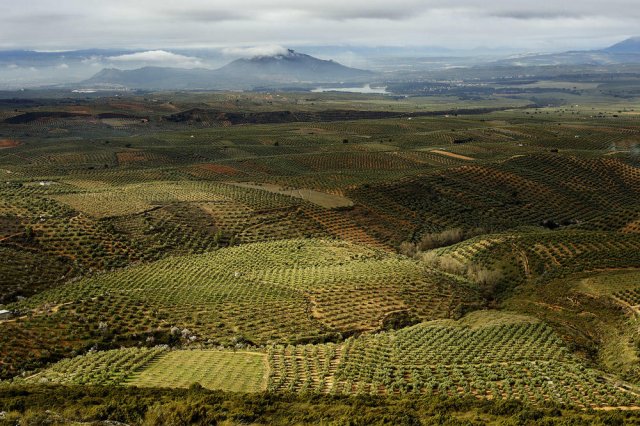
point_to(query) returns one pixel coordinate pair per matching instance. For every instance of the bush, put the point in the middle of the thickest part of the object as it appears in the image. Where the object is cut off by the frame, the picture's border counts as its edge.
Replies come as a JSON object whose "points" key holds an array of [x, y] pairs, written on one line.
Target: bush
{"points": [[435, 240], [441, 239]]}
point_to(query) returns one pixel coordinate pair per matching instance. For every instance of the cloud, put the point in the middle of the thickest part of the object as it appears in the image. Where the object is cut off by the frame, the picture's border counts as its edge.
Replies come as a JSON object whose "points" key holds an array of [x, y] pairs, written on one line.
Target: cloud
{"points": [[341, 10], [158, 57], [91, 59], [283, 10], [252, 52], [536, 15], [44, 17], [149, 24], [209, 15]]}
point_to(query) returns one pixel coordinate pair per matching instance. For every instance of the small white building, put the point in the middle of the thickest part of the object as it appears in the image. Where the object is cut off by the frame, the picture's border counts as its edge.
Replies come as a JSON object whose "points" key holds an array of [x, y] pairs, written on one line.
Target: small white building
{"points": [[4, 314]]}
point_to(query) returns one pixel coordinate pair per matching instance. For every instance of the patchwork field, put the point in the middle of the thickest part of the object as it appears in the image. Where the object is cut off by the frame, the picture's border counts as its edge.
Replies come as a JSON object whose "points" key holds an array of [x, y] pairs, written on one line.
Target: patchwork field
{"points": [[190, 242]]}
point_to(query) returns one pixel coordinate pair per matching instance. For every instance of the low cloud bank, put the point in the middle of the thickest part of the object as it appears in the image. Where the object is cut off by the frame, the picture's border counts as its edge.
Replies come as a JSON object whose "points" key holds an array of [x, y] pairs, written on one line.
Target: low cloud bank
{"points": [[159, 58], [252, 52]]}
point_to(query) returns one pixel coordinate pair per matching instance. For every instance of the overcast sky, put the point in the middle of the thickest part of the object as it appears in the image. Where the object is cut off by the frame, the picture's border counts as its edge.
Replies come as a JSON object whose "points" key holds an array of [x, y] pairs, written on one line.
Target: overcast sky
{"points": [[540, 25]]}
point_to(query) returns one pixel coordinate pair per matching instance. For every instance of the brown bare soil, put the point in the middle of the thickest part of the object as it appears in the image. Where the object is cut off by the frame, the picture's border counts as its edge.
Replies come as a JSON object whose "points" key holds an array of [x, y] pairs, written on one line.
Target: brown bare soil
{"points": [[130, 156], [452, 155], [8, 143], [220, 169]]}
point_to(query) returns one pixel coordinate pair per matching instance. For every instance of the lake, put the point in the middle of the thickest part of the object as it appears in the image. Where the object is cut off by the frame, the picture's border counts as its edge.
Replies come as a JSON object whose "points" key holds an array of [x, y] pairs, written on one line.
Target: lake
{"points": [[363, 89]]}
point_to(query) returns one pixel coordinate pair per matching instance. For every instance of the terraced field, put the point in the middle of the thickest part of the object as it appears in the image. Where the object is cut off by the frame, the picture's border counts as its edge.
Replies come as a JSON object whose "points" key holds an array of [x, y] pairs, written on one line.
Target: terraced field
{"points": [[534, 254]]}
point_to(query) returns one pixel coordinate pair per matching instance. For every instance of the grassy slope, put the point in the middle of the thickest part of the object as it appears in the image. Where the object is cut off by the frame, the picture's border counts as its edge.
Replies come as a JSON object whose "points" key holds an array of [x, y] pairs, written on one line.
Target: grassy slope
{"points": [[228, 371], [600, 327]]}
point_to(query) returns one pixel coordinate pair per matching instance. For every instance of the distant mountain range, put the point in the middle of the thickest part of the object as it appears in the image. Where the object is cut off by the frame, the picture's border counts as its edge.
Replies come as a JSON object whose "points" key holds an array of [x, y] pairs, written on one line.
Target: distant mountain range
{"points": [[204, 69], [289, 67], [625, 52]]}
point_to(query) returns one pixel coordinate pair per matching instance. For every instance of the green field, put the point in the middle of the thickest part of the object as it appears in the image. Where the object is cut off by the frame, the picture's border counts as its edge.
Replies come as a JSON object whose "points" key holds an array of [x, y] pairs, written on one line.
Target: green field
{"points": [[228, 371]]}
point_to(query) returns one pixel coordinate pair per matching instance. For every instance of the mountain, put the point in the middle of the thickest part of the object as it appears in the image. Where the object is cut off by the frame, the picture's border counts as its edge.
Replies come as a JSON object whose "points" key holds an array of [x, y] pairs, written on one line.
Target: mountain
{"points": [[625, 52], [630, 45], [289, 67]]}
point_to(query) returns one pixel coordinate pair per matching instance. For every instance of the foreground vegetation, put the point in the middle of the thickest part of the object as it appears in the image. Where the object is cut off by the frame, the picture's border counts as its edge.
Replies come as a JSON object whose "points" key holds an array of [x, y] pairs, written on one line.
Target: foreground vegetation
{"points": [[59, 405]]}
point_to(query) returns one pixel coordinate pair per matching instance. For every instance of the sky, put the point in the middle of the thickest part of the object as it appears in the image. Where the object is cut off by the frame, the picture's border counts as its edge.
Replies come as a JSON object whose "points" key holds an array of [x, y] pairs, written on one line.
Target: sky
{"points": [[536, 26]]}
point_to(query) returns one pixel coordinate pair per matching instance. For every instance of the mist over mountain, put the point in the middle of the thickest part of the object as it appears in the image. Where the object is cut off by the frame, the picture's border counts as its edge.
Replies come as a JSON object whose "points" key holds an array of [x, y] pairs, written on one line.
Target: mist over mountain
{"points": [[287, 67], [154, 78], [273, 66]]}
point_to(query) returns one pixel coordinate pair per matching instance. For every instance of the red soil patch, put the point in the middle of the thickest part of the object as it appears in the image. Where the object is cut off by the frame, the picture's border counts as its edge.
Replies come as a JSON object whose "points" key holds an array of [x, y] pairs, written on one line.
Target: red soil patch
{"points": [[452, 155], [8, 143], [134, 107], [254, 167], [79, 110], [131, 156], [632, 227], [220, 169]]}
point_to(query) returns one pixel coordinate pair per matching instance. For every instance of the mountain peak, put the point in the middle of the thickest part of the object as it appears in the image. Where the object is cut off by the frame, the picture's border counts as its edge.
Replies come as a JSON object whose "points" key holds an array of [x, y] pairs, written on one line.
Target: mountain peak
{"points": [[286, 54], [271, 54], [289, 52]]}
